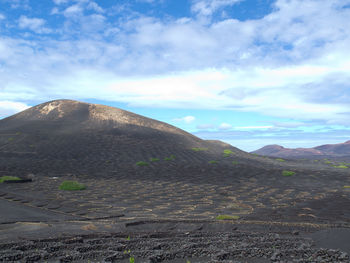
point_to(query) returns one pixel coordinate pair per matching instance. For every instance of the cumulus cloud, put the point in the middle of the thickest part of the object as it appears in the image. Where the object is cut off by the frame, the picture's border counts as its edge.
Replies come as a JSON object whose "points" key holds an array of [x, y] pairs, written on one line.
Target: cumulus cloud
{"points": [[292, 63], [73, 10], [186, 119], [34, 24], [59, 2], [11, 107], [208, 7], [94, 6], [225, 126], [18, 4]]}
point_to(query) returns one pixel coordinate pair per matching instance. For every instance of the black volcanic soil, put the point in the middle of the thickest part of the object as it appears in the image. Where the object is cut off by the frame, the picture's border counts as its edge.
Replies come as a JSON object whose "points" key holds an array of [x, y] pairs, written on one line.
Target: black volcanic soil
{"points": [[169, 207]]}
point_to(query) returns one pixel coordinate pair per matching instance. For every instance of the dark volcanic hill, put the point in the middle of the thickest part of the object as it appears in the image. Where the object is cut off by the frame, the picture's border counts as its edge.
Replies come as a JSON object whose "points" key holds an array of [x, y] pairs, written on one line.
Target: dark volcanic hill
{"points": [[69, 136], [327, 150]]}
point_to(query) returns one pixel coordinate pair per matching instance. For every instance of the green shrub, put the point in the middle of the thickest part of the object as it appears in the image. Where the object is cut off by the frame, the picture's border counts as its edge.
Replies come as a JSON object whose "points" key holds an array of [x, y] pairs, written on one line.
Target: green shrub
{"points": [[72, 186], [199, 149], [228, 153], [227, 217], [213, 162], [154, 159], [235, 162], [171, 158], [340, 166], [8, 178], [131, 260], [280, 160], [327, 162], [288, 173], [142, 163], [347, 186]]}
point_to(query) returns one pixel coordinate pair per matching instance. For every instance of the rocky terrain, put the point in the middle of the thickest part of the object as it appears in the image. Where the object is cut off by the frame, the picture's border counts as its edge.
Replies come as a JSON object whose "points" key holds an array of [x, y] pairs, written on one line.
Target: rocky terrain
{"points": [[154, 193]]}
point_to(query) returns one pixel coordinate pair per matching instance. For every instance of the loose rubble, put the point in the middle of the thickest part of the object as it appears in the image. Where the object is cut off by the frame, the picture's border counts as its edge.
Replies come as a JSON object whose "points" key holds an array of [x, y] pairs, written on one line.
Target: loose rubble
{"points": [[238, 246]]}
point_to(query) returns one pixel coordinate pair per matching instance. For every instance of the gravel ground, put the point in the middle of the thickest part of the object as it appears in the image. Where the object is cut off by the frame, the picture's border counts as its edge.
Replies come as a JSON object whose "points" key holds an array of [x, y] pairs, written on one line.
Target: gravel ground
{"points": [[195, 246]]}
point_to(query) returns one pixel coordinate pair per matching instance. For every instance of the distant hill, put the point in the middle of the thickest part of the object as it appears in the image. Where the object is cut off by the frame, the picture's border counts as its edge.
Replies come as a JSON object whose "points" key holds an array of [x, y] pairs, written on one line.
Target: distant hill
{"points": [[327, 150], [69, 136]]}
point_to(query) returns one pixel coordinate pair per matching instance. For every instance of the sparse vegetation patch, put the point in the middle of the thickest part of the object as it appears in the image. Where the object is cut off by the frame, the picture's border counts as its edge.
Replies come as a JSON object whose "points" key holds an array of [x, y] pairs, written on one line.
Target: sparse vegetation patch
{"points": [[142, 163], [340, 166], [171, 158], [280, 160], [8, 178], [227, 217], [288, 173], [213, 162], [72, 186], [347, 186], [235, 162], [154, 159], [228, 153]]}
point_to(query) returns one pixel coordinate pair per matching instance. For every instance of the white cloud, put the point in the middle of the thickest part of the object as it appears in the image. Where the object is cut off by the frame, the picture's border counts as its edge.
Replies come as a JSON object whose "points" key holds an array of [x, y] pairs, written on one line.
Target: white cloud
{"points": [[34, 24], [186, 119], [2, 17], [208, 7], [253, 127], [225, 126], [73, 10], [95, 7], [267, 65], [11, 107], [59, 2]]}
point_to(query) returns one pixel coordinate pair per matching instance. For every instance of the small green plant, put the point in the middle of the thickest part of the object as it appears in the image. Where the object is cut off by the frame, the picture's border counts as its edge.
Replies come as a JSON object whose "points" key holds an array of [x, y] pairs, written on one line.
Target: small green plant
{"points": [[142, 163], [227, 217], [171, 158], [154, 159], [213, 162], [71, 186], [288, 173], [199, 149], [327, 162], [228, 153], [187, 261], [128, 238], [280, 160], [347, 186], [340, 166], [235, 162], [10, 139], [131, 260], [8, 178]]}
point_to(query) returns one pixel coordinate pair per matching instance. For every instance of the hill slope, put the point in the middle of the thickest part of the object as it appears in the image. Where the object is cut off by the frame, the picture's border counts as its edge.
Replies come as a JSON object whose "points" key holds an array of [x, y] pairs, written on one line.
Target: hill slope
{"points": [[327, 150], [70, 136]]}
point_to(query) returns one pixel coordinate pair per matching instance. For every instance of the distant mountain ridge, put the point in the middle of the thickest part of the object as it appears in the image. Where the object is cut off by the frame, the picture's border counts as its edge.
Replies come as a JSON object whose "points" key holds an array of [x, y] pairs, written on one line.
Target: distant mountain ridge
{"points": [[327, 150]]}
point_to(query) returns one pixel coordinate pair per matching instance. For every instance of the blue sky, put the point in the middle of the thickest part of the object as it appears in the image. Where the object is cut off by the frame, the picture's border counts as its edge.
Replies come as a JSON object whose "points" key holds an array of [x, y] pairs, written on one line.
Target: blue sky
{"points": [[248, 72]]}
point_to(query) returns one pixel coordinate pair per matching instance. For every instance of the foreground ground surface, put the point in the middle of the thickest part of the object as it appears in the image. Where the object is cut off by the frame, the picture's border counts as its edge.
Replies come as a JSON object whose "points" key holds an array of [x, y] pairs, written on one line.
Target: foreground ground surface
{"points": [[167, 212]]}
